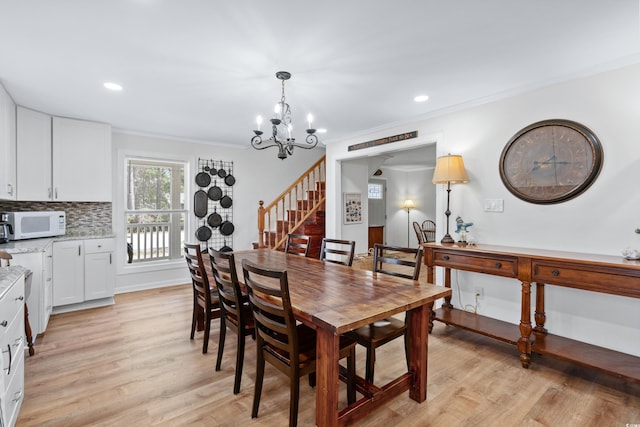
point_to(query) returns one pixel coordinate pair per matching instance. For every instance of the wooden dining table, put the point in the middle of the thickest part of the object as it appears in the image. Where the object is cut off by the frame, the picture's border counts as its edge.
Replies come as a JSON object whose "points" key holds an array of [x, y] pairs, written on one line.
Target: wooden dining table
{"points": [[334, 299]]}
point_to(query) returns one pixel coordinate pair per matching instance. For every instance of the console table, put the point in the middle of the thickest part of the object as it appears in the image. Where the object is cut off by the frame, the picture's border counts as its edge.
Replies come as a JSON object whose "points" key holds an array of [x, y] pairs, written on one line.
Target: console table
{"points": [[596, 273]]}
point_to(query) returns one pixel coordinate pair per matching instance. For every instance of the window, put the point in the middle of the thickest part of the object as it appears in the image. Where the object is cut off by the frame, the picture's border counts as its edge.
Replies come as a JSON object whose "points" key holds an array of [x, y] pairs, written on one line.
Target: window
{"points": [[375, 191], [155, 213]]}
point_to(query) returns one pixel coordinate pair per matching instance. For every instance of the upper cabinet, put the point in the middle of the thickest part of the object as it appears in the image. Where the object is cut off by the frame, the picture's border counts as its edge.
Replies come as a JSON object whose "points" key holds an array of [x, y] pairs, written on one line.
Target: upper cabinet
{"points": [[62, 160], [34, 155], [81, 160], [7, 146]]}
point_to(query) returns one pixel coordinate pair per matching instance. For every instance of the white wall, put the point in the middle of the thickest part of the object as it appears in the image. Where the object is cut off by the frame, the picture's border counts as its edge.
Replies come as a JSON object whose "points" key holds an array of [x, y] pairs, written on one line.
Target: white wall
{"points": [[260, 175], [354, 180], [601, 220], [414, 185]]}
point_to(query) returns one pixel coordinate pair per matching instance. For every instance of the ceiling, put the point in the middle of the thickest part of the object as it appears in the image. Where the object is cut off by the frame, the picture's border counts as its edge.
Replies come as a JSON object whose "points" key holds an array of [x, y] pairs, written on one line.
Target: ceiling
{"points": [[203, 70]]}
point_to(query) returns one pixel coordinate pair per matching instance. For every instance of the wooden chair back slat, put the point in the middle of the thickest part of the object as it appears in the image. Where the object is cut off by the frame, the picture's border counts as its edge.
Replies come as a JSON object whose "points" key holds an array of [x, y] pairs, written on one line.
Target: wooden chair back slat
{"points": [[383, 255], [298, 244], [338, 251]]}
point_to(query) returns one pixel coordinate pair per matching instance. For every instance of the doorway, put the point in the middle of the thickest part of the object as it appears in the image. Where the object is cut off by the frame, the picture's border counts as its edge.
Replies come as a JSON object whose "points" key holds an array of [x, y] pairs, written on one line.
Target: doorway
{"points": [[404, 174], [377, 205]]}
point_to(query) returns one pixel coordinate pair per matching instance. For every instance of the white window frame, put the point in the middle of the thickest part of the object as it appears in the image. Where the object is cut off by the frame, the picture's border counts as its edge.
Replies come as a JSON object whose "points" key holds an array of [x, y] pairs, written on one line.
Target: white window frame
{"points": [[120, 206]]}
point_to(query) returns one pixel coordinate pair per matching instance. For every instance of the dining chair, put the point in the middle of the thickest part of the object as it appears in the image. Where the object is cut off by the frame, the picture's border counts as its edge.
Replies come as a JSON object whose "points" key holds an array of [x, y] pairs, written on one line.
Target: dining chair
{"points": [[337, 251], [419, 234], [298, 244], [429, 230], [288, 346], [206, 304], [234, 307], [400, 262]]}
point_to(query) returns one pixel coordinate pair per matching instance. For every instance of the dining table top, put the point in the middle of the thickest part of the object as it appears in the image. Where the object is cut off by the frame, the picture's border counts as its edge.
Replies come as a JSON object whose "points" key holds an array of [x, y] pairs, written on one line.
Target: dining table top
{"points": [[341, 298]]}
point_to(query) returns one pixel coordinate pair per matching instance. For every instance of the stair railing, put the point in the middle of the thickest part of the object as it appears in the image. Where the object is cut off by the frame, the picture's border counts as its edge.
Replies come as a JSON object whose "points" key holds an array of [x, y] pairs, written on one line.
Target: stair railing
{"points": [[292, 207]]}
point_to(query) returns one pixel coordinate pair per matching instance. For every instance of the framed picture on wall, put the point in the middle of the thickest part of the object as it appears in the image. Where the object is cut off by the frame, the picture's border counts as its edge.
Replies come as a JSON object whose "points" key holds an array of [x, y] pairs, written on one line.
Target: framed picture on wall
{"points": [[352, 207]]}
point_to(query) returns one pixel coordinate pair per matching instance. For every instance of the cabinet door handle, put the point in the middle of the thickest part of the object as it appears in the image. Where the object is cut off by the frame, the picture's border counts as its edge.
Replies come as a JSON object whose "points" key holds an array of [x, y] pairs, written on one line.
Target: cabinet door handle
{"points": [[56, 193], [18, 395], [49, 189], [10, 189], [20, 298], [555, 272], [498, 265], [446, 257], [10, 358], [4, 323], [109, 258], [79, 250]]}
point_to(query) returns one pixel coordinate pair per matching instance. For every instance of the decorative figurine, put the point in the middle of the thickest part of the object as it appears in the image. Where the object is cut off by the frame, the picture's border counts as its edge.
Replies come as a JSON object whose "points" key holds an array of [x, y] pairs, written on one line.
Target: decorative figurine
{"points": [[461, 229]]}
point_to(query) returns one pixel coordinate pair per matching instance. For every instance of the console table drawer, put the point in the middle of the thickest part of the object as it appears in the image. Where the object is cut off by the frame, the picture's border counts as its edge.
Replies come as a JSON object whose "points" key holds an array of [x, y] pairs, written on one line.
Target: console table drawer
{"points": [[602, 279], [497, 265]]}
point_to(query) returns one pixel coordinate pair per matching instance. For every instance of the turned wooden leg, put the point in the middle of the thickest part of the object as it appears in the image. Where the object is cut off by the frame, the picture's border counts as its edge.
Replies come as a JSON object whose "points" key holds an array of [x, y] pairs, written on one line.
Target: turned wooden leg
{"points": [[447, 284], [524, 343], [27, 330], [540, 315]]}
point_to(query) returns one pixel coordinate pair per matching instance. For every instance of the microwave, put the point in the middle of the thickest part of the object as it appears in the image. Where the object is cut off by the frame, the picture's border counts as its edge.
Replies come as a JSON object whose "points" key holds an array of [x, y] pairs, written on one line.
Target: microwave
{"points": [[35, 224]]}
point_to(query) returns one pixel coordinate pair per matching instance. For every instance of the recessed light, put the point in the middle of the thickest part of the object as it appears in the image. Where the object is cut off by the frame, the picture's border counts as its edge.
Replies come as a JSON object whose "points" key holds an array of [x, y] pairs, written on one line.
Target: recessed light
{"points": [[421, 98], [113, 86], [321, 130]]}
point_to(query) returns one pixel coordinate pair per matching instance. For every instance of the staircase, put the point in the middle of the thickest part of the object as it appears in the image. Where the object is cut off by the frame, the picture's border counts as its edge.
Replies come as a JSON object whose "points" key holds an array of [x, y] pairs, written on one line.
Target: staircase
{"points": [[299, 209]]}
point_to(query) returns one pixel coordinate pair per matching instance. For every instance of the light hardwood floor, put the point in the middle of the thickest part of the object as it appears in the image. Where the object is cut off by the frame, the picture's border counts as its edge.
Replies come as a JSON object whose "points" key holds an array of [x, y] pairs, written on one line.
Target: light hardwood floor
{"points": [[132, 364]]}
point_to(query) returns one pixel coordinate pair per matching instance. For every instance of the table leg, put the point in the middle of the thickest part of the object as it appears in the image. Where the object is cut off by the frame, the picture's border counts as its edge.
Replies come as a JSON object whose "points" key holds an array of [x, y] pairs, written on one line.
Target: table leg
{"points": [[524, 343], [447, 284], [327, 350], [540, 315], [419, 350]]}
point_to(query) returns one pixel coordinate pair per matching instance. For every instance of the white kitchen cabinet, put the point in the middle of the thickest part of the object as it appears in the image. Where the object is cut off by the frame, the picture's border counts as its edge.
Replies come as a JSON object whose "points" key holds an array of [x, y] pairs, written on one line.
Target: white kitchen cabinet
{"points": [[99, 274], [34, 155], [68, 272], [61, 159], [39, 297], [81, 160], [8, 176], [12, 348], [83, 270], [46, 297]]}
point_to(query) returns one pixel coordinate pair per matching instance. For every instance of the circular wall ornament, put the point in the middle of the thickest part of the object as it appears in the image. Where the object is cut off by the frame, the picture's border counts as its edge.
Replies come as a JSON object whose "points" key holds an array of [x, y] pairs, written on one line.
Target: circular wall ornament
{"points": [[551, 161]]}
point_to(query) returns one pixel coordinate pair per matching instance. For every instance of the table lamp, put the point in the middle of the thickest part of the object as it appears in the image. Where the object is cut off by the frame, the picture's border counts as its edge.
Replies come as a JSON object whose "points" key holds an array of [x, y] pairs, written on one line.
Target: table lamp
{"points": [[449, 170], [408, 205]]}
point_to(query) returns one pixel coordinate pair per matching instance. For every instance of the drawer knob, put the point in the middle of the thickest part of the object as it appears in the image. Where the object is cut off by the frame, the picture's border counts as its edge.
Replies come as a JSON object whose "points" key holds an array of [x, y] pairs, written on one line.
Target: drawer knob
{"points": [[20, 298], [555, 272], [4, 323], [446, 257], [498, 265]]}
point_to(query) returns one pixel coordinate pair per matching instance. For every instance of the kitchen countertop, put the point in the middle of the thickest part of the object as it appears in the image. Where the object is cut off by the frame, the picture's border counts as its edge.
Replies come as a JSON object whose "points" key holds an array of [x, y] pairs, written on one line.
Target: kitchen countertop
{"points": [[39, 245], [8, 275]]}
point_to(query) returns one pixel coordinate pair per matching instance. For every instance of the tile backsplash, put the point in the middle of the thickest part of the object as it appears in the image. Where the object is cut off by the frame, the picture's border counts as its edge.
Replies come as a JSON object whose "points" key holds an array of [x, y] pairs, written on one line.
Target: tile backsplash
{"points": [[83, 218]]}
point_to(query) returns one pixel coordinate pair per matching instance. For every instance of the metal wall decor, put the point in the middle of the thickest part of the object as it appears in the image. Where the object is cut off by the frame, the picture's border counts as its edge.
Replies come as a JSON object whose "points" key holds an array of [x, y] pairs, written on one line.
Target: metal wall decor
{"points": [[213, 204], [551, 161], [282, 129]]}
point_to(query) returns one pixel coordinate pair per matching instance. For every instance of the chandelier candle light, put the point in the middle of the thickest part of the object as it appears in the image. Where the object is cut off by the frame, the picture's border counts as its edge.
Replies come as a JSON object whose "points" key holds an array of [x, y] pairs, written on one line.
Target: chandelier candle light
{"points": [[281, 121], [449, 170]]}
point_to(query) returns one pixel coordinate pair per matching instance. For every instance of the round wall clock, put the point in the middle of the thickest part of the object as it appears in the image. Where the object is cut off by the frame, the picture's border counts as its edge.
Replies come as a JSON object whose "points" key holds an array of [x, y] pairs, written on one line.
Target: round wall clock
{"points": [[551, 161]]}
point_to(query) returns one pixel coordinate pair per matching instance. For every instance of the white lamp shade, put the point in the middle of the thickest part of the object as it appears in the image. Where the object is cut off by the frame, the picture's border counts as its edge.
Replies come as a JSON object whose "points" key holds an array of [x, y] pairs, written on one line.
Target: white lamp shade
{"points": [[449, 169], [408, 204]]}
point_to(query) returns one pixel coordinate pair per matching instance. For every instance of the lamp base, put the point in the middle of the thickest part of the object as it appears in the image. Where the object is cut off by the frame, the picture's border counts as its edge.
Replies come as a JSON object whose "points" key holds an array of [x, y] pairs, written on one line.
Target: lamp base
{"points": [[447, 239]]}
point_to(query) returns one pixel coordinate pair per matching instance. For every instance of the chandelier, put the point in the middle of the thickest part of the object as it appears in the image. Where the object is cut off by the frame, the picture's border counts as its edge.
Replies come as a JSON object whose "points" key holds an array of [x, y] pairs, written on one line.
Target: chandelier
{"points": [[281, 126]]}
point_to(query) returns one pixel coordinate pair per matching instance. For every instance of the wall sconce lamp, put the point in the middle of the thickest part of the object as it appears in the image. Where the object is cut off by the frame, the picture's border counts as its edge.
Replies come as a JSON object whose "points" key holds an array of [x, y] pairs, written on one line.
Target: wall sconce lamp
{"points": [[408, 204], [449, 170]]}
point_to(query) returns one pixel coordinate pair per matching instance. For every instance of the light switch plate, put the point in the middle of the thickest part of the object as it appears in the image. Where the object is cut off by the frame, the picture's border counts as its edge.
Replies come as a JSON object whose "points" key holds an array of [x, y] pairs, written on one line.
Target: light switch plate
{"points": [[494, 205]]}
